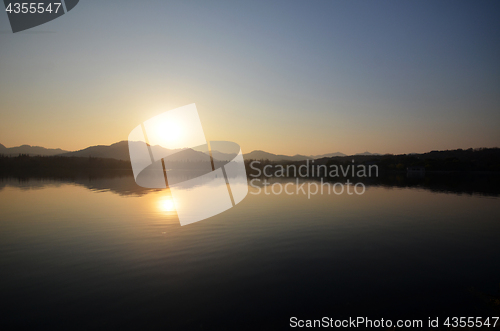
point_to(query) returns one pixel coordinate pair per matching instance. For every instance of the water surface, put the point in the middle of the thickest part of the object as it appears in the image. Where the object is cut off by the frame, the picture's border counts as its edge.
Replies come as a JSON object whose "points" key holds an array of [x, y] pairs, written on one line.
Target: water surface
{"points": [[100, 253]]}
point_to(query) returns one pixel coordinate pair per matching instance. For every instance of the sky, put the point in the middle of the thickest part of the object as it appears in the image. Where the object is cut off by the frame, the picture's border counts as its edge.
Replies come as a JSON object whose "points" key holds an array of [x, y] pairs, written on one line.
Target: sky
{"points": [[287, 77]]}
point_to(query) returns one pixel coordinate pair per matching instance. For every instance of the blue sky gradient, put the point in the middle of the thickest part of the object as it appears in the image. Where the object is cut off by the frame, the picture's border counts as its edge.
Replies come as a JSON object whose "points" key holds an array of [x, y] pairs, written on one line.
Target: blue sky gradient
{"points": [[288, 77]]}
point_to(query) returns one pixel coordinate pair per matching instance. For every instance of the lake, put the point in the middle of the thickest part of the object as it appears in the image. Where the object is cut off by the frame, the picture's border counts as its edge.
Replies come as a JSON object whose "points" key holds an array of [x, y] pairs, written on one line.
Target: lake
{"points": [[100, 253]]}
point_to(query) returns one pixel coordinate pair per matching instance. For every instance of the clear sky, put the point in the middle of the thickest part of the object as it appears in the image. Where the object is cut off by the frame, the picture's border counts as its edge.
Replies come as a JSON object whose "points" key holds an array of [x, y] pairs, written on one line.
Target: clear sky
{"points": [[288, 77]]}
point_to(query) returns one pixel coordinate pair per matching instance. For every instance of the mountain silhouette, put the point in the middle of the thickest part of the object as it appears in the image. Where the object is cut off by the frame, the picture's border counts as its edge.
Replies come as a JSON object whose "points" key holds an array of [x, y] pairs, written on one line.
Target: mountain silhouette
{"points": [[29, 150], [261, 155], [367, 153], [327, 155], [117, 151], [120, 151], [223, 156], [188, 154]]}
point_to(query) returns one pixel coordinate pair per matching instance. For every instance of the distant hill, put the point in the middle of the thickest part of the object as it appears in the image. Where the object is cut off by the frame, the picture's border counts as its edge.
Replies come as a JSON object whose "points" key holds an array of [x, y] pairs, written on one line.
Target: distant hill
{"points": [[367, 153], [187, 154], [222, 156], [261, 155], [327, 155], [117, 151], [120, 151], [30, 150]]}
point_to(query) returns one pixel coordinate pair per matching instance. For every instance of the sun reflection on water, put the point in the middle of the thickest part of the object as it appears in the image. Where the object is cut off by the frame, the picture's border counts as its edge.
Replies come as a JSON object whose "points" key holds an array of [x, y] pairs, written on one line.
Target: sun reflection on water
{"points": [[166, 204]]}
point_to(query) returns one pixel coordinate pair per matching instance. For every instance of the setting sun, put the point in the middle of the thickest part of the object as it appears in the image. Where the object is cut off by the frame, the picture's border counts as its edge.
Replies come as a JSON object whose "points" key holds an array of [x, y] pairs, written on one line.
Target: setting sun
{"points": [[166, 133], [171, 132], [176, 128]]}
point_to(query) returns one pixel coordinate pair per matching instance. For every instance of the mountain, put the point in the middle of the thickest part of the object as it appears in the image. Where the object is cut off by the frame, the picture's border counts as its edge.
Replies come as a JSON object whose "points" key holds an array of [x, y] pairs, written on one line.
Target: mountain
{"points": [[30, 150], [187, 154], [261, 155], [327, 155], [120, 151], [367, 153], [117, 151], [223, 156]]}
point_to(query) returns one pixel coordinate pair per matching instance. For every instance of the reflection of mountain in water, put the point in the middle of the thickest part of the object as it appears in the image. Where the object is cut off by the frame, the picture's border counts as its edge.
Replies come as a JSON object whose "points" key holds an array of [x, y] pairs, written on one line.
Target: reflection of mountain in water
{"points": [[122, 185], [458, 183]]}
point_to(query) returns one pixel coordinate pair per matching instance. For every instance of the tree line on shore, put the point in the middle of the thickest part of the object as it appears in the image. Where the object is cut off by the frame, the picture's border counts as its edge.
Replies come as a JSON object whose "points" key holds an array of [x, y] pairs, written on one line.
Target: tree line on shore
{"points": [[470, 160]]}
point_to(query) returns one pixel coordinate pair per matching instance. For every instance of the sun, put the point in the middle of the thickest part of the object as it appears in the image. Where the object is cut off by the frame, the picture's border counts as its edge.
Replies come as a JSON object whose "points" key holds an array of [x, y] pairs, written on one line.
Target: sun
{"points": [[170, 133], [167, 133], [167, 204]]}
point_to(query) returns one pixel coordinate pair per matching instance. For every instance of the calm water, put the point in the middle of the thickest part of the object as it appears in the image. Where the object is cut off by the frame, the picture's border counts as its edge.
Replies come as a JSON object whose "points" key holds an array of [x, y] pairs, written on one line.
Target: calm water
{"points": [[103, 253]]}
